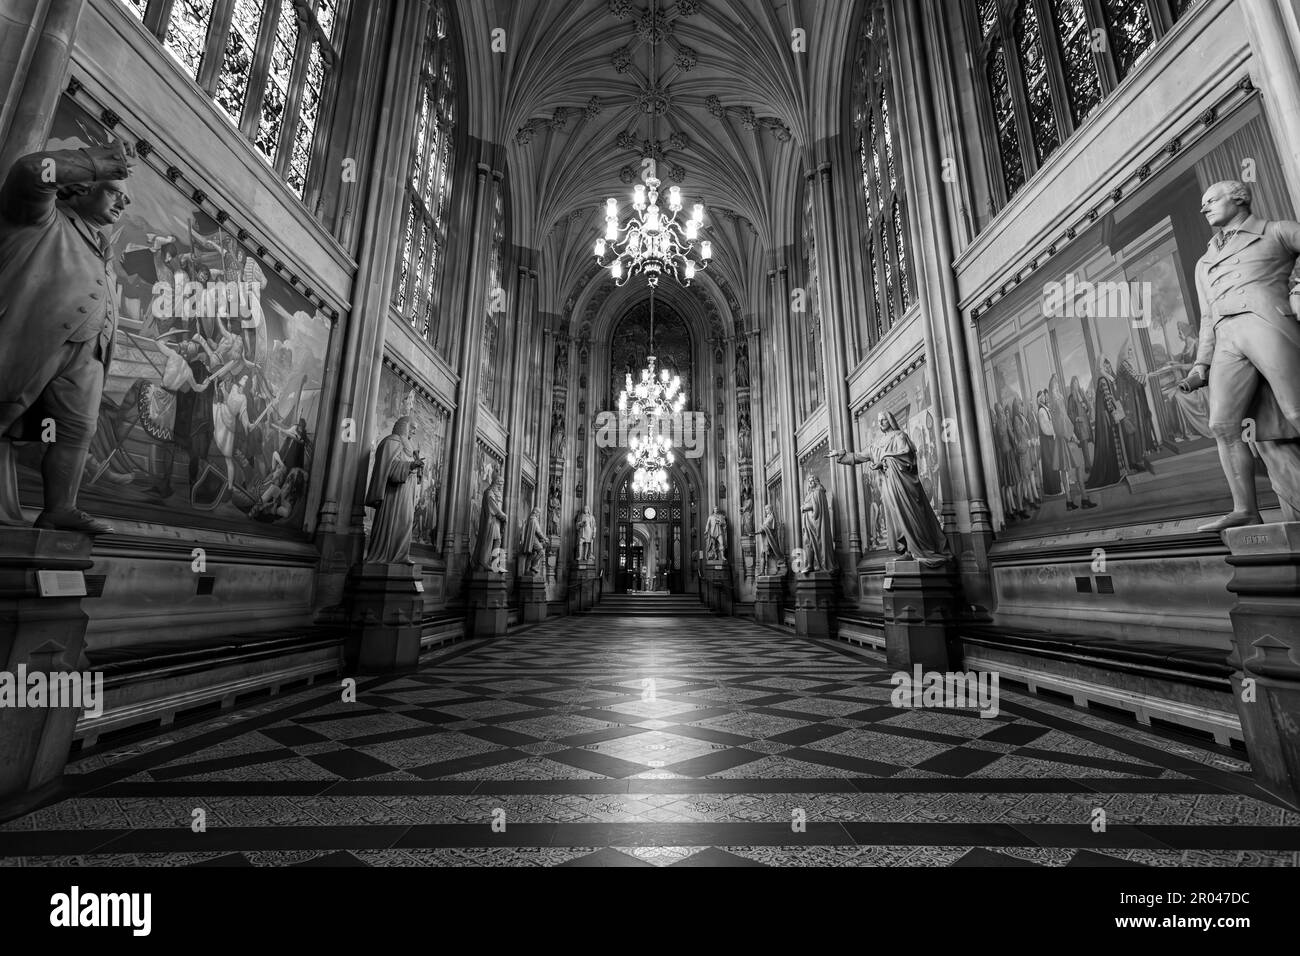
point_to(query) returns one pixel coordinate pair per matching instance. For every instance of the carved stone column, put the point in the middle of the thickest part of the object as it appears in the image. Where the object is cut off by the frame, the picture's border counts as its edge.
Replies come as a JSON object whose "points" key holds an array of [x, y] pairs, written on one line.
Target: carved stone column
{"points": [[36, 38]]}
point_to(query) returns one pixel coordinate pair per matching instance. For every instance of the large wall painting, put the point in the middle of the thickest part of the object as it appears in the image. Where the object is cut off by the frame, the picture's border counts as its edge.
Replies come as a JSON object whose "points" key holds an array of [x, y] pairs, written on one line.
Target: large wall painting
{"points": [[1081, 365], [211, 406]]}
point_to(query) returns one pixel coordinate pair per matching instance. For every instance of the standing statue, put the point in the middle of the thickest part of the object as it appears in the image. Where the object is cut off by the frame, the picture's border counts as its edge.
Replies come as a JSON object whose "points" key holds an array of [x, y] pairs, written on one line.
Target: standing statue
{"points": [[742, 367], [561, 365], [392, 494], [912, 528], [491, 524], [58, 316], [557, 437], [715, 536], [768, 540], [1249, 350], [553, 512], [533, 543], [746, 441], [747, 507], [586, 534], [818, 535]]}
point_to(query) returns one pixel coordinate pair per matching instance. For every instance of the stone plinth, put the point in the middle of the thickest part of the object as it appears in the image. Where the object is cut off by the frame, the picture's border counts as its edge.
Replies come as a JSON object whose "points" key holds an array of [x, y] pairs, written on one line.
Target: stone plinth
{"points": [[815, 604], [717, 579], [920, 606], [1266, 652], [586, 585], [769, 589], [43, 631], [532, 595], [388, 608], [488, 614]]}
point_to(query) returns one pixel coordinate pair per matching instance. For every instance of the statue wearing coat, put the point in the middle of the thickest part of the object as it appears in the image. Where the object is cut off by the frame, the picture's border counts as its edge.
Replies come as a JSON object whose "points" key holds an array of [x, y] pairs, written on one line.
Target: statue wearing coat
{"points": [[491, 524], [391, 493], [818, 534]]}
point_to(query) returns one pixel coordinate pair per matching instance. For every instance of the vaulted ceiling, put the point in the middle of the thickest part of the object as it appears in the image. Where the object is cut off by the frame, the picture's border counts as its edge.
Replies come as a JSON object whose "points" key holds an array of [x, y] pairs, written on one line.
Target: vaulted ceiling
{"points": [[725, 95]]}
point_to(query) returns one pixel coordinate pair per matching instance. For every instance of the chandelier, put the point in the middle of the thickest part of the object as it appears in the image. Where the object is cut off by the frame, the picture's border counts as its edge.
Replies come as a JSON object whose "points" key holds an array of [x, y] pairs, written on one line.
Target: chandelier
{"points": [[653, 242], [650, 458], [654, 396]]}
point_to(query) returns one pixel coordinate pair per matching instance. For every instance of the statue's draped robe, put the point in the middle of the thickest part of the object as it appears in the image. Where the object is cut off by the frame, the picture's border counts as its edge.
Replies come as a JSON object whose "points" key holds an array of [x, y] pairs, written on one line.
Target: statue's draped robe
{"points": [[392, 494], [768, 539], [491, 526], [909, 518], [533, 543], [818, 536]]}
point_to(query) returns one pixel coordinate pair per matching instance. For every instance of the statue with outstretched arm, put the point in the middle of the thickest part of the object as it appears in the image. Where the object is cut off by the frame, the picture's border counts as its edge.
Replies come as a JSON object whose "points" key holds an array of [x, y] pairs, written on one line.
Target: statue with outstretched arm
{"points": [[912, 527]]}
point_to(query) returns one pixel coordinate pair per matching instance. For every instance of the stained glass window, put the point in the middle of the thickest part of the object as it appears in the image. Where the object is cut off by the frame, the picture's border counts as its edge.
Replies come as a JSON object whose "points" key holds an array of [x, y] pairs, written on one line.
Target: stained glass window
{"points": [[1004, 122], [1078, 62], [1131, 35], [884, 203], [266, 63], [187, 33], [416, 293], [1038, 92], [1047, 64]]}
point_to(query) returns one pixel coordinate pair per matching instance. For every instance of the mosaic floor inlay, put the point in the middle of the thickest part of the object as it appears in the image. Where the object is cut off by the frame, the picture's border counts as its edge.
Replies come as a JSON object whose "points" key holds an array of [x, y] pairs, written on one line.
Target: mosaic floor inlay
{"points": [[653, 742]]}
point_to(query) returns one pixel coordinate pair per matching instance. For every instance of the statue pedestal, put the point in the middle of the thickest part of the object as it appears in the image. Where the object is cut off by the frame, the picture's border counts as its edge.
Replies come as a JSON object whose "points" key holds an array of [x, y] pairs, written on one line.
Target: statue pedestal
{"points": [[920, 614], [1266, 651], [532, 595], [769, 589], [717, 582], [488, 615], [388, 609], [814, 604], [585, 581], [43, 635]]}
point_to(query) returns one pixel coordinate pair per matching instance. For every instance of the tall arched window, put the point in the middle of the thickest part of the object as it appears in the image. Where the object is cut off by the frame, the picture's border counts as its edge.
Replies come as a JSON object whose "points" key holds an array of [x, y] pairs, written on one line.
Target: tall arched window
{"points": [[886, 244], [267, 63], [417, 290], [1045, 65]]}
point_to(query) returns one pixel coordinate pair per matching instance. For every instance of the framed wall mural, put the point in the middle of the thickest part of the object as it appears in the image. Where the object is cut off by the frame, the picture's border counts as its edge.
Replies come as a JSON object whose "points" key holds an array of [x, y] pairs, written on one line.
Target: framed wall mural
{"points": [[1081, 364], [398, 399], [212, 402]]}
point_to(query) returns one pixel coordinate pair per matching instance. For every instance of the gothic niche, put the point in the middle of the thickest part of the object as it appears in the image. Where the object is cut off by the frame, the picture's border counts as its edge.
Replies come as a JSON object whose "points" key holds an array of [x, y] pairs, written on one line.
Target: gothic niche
{"points": [[631, 344]]}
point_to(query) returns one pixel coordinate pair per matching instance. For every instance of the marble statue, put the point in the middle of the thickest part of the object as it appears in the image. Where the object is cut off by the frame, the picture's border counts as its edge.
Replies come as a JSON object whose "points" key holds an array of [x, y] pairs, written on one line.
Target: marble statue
{"points": [[742, 367], [1249, 348], [715, 536], [532, 543], [553, 513], [746, 507], [58, 317], [586, 534], [491, 523], [392, 494], [557, 437], [912, 528], [818, 533], [768, 540]]}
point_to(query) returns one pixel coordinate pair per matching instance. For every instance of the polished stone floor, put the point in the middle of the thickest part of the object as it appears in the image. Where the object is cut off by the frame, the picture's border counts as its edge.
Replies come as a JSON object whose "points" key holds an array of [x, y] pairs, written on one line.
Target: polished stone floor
{"points": [[653, 742]]}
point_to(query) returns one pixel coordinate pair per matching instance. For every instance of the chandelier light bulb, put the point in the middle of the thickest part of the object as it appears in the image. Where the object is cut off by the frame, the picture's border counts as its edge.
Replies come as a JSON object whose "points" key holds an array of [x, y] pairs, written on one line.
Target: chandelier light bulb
{"points": [[675, 198], [611, 230], [690, 271], [692, 230], [600, 248], [706, 250], [611, 208], [638, 196], [697, 213], [616, 268]]}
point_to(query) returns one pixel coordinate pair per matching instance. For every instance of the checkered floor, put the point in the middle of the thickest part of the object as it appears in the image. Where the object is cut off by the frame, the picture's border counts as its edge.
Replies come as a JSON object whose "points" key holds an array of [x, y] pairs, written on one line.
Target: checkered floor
{"points": [[653, 742]]}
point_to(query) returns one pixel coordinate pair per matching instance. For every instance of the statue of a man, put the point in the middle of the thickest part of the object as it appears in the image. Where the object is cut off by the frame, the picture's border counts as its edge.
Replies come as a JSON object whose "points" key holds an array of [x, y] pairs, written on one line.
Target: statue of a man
{"points": [[818, 535], [586, 534], [533, 543], [491, 524], [553, 513], [1249, 349], [912, 528], [58, 315], [392, 494], [715, 535], [768, 540]]}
